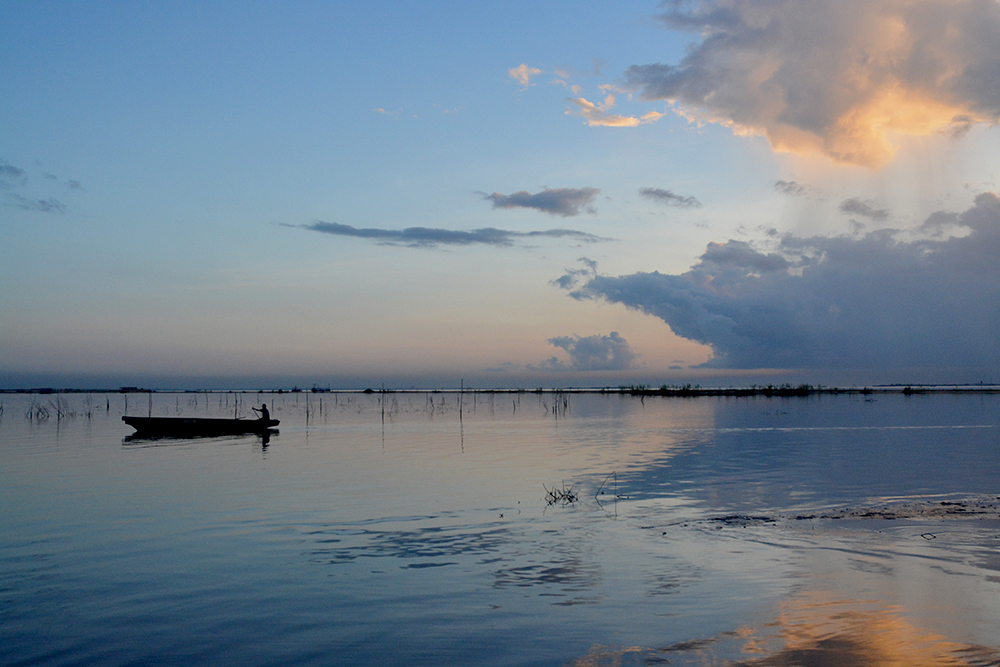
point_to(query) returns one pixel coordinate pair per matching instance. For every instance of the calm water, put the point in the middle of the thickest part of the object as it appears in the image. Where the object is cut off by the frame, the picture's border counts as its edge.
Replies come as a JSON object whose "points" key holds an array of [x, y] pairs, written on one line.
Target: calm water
{"points": [[805, 531]]}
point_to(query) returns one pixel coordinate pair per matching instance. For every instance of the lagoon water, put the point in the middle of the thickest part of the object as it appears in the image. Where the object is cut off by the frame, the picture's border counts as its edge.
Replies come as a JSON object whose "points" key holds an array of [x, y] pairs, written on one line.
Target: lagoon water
{"points": [[423, 529]]}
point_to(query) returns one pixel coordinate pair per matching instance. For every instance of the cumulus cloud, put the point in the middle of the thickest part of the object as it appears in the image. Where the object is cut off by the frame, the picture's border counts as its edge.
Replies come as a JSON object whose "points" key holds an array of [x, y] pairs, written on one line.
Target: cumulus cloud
{"points": [[843, 302], [668, 198], [522, 74], [837, 77], [598, 114], [855, 206], [560, 201], [591, 353], [427, 237]]}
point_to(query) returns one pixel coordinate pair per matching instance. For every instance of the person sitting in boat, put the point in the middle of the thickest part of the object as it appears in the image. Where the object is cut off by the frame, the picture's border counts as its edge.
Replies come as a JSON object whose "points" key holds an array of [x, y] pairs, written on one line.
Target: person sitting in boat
{"points": [[265, 416]]}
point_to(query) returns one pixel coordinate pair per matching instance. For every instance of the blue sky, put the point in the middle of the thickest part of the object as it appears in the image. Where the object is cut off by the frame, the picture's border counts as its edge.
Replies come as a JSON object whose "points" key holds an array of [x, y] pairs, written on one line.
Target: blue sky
{"points": [[197, 190]]}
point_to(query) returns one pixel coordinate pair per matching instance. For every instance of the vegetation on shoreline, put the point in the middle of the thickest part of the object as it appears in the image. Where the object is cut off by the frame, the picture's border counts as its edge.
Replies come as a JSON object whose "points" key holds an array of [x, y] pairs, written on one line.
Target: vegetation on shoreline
{"points": [[683, 391]]}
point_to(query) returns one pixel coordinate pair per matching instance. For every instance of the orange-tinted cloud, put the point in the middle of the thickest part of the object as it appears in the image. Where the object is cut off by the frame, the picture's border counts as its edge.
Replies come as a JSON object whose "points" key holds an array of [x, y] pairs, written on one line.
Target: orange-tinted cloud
{"points": [[522, 74], [597, 114], [837, 77]]}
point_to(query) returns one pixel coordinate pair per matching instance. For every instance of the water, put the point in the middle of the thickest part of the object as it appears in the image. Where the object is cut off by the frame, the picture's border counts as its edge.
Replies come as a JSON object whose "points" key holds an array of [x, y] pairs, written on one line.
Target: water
{"points": [[820, 530]]}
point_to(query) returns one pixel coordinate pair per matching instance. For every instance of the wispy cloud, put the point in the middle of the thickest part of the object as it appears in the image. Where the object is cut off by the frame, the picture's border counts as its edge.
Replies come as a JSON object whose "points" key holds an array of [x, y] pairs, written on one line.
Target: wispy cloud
{"points": [[668, 198], [855, 206], [50, 205], [561, 201], [843, 302], [790, 188], [837, 77], [395, 114], [427, 237], [598, 114], [11, 176], [591, 353], [16, 179], [522, 74], [575, 276]]}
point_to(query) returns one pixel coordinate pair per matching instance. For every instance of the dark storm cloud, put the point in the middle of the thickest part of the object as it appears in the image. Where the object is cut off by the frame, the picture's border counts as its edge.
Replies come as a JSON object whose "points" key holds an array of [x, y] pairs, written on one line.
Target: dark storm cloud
{"points": [[668, 198], [855, 206], [561, 201], [591, 353], [427, 237], [842, 302], [837, 77]]}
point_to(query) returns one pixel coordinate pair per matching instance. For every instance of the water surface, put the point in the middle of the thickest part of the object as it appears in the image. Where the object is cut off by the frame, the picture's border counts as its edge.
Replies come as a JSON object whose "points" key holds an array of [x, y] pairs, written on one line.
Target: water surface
{"points": [[420, 529]]}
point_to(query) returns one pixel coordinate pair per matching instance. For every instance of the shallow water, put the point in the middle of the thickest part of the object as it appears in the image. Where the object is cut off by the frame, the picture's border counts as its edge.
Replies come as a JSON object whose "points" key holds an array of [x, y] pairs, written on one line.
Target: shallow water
{"points": [[818, 530]]}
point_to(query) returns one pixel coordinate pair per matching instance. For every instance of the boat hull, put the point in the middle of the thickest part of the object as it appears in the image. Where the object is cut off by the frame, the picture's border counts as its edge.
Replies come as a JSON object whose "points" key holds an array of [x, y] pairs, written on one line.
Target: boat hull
{"points": [[187, 427]]}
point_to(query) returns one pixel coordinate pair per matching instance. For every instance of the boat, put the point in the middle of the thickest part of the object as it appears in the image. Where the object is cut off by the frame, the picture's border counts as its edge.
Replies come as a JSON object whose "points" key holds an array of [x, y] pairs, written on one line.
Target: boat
{"points": [[189, 427]]}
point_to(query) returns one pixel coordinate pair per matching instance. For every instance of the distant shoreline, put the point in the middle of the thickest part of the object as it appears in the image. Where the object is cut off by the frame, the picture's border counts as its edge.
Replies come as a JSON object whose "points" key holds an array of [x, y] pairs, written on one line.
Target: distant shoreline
{"points": [[683, 391]]}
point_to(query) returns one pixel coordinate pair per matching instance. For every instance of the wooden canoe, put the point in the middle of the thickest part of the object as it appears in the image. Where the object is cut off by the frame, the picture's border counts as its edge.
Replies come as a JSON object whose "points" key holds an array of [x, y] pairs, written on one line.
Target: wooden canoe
{"points": [[187, 427]]}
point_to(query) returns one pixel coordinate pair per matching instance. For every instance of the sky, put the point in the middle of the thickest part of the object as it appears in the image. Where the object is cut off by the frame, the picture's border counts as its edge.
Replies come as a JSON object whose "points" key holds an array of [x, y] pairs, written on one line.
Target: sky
{"points": [[514, 194]]}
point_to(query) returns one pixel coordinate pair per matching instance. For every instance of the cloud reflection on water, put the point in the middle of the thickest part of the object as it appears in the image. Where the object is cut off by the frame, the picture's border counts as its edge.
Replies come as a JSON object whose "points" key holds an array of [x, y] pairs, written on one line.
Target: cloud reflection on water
{"points": [[813, 629]]}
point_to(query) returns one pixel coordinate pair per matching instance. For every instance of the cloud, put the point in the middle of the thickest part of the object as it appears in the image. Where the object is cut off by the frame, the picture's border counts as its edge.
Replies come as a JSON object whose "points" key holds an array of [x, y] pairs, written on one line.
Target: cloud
{"points": [[855, 206], [573, 276], [522, 74], [427, 237], [843, 302], [395, 115], [668, 198], [50, 205], [790, 188], [837, 77], [10, 175], [591, 353], [15, 178], [597, 114], [561, 201]]}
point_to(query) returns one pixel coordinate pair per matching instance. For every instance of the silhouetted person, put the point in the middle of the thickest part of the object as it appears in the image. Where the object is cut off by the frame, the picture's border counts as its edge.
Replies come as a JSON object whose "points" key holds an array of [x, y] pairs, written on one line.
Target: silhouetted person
{"points": [[265, 416]]}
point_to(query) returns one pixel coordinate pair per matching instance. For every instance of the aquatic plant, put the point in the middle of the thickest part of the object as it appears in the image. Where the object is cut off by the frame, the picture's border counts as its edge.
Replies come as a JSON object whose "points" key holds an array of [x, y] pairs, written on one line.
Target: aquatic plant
{"points": [[561, 496]]}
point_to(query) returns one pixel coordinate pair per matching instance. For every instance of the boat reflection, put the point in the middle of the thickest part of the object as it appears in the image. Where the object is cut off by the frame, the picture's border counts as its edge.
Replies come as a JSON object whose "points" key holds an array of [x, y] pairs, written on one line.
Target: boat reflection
{"points": [[136, 440]]}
